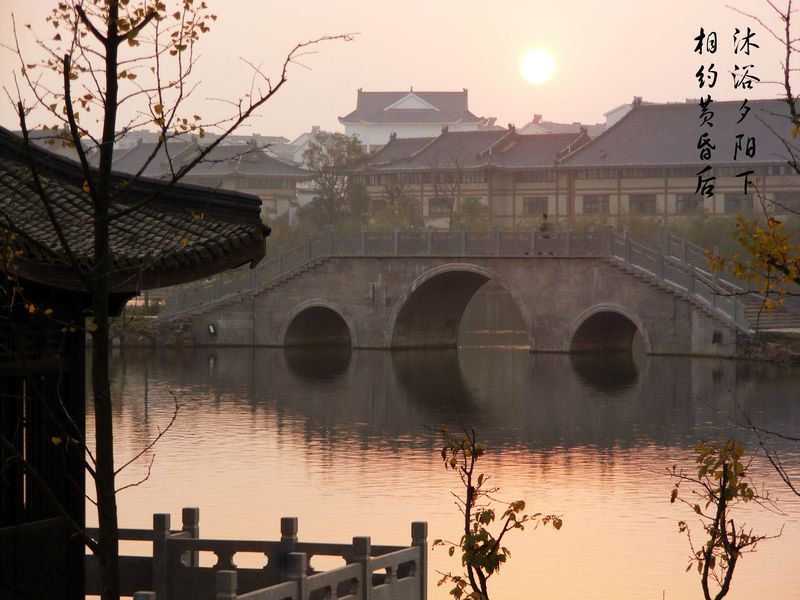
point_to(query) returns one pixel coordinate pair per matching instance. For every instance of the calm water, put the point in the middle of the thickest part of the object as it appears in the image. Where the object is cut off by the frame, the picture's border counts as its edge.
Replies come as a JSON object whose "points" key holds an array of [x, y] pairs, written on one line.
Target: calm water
{"points": [[342, 441]]}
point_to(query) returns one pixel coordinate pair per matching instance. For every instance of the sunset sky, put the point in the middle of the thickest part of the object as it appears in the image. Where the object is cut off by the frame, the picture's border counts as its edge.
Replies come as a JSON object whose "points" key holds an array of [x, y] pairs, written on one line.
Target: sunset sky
{"points": [[606, 53]]}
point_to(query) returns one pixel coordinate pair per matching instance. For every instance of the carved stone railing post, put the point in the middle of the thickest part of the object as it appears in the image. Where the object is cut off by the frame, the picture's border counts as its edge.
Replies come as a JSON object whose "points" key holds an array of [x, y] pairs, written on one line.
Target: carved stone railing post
{"points": [[685, 251], [190, 517], [690, 287], [497, 242], [226, 585], [419, 539], [363, 240], [297, 570], [280, 260], [628, 246], [396, 242], [463, 244], [568, 237], [532, 235], [288, 543], [362, 548], [161, 522], [429, 240]]}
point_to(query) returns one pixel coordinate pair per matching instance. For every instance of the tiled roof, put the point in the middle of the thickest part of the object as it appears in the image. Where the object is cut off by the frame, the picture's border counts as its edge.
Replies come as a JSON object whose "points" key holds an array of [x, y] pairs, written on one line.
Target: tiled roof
{"points": [[373, 107], [667, 134], [241, 159], [398, 148], [475, 149], [542, 150], [451, 150], [183, 233]]}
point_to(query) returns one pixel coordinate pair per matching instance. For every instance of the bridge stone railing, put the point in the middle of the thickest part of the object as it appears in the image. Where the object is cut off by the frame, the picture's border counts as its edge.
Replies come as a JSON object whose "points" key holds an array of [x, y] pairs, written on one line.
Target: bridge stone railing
{"points": [[281, 262], [174, 571], [678, 267], [676, 264]]}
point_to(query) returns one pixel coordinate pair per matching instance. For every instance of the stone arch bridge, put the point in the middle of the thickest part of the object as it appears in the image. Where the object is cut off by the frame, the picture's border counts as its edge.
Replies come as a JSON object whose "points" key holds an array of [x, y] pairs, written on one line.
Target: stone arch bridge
{"points": [[575, 292]]}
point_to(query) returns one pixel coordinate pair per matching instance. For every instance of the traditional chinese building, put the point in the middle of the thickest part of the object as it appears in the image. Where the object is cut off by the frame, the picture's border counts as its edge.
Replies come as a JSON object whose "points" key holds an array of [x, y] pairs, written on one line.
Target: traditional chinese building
{"points": [[410, 114], [159, 237], [515, 176], [648, 162], [242, 167]]}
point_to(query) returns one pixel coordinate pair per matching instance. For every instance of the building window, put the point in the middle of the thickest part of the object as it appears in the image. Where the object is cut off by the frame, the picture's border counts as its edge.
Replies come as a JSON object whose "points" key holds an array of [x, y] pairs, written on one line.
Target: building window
{"points": [[786, 203], [534, 205], [738, 203], [642, 204], [597, 174], [474, 177], [642, 173], [439, 206], [410, 178], [595, 204], [534, 176], [688, 203]]}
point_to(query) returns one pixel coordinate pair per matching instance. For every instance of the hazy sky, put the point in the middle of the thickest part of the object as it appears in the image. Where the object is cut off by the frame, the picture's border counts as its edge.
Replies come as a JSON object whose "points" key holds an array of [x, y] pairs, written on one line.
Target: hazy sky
{"points": [[607, 52]]}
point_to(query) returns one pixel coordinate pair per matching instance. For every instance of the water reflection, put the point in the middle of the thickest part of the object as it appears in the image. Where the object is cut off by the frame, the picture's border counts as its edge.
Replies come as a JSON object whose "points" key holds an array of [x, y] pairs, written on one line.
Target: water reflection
{"points": [[344, 442], [515, 397], [611, 372], [318, 364]]}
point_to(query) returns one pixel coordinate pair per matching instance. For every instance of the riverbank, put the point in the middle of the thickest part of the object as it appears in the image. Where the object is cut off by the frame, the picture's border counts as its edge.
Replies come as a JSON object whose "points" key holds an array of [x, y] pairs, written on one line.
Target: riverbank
{"points": [[144, 332]]}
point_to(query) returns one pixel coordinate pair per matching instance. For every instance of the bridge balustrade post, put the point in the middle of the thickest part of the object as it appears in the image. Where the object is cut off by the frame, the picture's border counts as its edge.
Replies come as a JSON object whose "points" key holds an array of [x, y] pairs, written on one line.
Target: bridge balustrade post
{"points": [[628, 246], [497, 242], [429, 240], [297, 563], [419, 539], [396, 241], [161, 522], [362, 548], [227, 585], [190, 517], [532, 235], [714, 288], [691, 279], [280, 260], [568, 238], [287, 544], [685, 252], [609, 240], [463, 242], [363, 240]]}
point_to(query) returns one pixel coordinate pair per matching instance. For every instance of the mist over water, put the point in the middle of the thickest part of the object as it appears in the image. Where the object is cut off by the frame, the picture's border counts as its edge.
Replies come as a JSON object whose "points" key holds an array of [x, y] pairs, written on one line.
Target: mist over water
{"points": [[346, 442]]}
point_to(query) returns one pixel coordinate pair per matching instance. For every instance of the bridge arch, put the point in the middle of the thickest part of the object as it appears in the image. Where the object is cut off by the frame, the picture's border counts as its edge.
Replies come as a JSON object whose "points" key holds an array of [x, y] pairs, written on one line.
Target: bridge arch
{"points": [[428, 312], [606, 327], [318, 323]]}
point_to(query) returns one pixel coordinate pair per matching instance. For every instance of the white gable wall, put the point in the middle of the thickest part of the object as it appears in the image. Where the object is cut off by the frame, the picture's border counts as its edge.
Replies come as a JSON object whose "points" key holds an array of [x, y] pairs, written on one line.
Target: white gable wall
{"points": [[373, 135]]}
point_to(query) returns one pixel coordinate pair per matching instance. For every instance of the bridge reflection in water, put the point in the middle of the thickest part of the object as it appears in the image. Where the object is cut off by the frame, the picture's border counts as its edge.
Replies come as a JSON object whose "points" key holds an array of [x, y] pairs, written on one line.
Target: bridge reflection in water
{"points": [[341, 440]]}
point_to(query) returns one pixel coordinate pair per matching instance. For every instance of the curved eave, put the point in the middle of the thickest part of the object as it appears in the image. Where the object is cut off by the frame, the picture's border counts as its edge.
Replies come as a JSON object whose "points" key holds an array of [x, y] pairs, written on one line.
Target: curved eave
{"points": [[172, 270]]}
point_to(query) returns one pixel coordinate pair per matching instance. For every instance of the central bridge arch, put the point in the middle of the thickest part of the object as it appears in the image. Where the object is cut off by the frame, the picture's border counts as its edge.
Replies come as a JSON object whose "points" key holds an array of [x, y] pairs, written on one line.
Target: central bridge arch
{"points": [[428, 313]]}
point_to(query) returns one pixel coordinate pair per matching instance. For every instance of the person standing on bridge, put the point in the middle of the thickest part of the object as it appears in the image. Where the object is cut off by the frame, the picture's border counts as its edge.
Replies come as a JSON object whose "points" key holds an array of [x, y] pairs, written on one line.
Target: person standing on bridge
{"points": [[544, 230], [544, 226]]}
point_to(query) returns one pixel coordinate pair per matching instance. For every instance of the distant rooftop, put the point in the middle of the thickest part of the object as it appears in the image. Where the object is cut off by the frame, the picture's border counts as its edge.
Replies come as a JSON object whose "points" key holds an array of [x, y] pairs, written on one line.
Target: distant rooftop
{"points": [[411, 107], [667, 134]]}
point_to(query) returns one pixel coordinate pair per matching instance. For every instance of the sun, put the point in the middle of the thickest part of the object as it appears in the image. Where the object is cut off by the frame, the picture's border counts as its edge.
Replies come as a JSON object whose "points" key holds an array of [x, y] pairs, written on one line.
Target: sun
{"points": [[538, 66]]}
